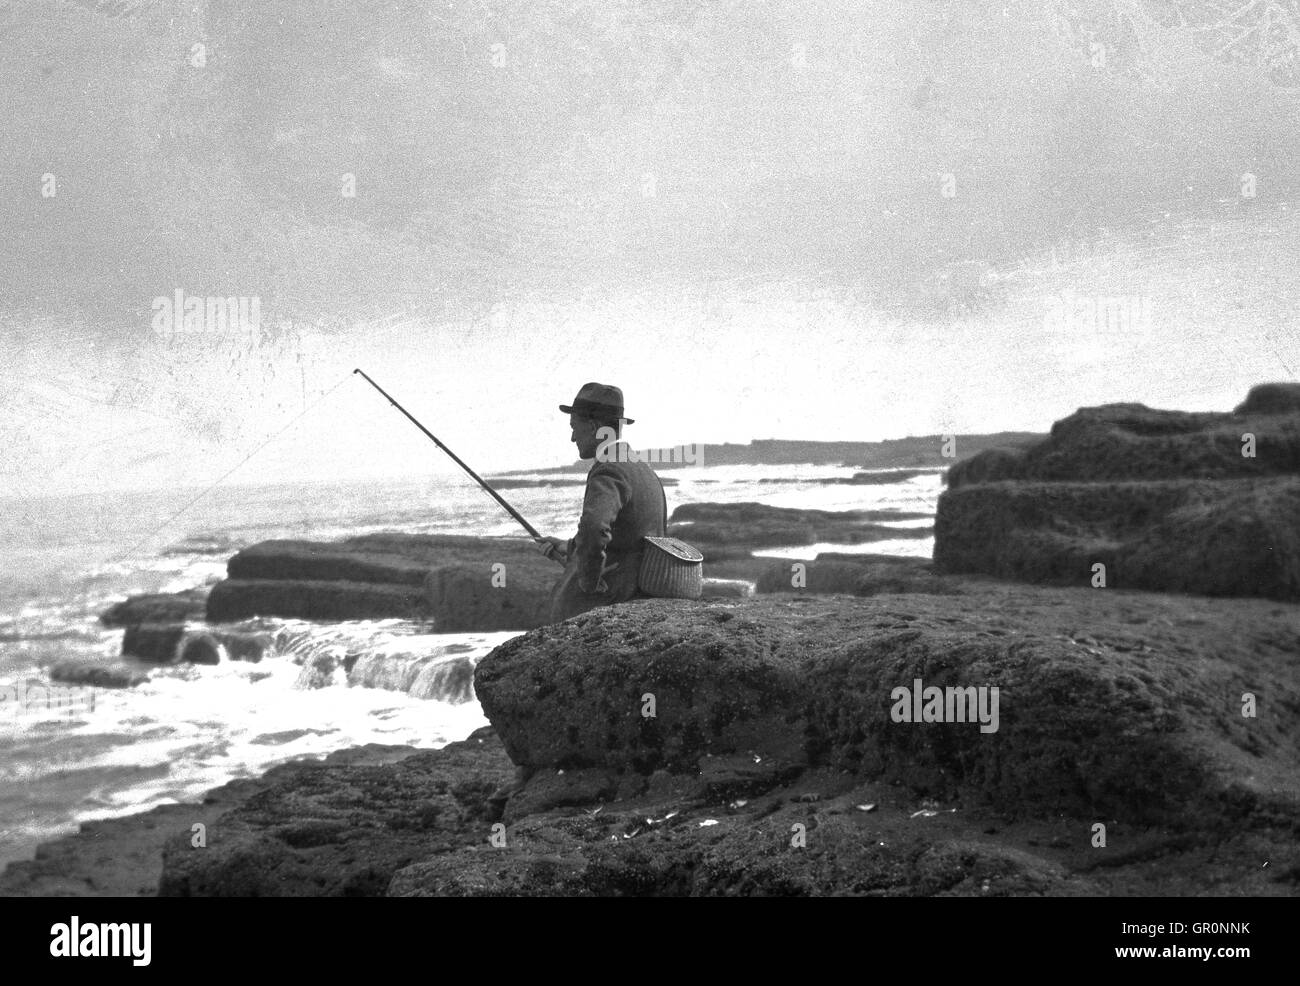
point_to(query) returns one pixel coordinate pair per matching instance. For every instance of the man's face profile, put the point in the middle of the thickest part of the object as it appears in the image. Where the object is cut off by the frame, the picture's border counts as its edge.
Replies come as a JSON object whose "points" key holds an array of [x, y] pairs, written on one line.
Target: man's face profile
{"points": [[584, 435]]}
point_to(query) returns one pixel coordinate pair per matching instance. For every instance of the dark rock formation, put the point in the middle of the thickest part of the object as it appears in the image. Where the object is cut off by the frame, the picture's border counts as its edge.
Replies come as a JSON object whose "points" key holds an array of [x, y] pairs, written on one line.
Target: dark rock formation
{"points": [[241, 599], [1117, 728], [720, 542], [97, 674], [1165, 500], [1271, 398], [885, 478], [1227, 538], [201, 648], [339, 830], [1117, 442], [460, 583], [809, 837], [155, 643], [714, 686], [166, 643], [470, 596], [163, 607], [857, 575]]}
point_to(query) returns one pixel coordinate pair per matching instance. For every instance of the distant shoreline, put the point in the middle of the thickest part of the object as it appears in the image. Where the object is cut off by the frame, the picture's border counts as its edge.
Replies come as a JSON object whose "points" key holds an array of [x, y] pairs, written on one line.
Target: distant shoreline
{"points": [[924, 451]]}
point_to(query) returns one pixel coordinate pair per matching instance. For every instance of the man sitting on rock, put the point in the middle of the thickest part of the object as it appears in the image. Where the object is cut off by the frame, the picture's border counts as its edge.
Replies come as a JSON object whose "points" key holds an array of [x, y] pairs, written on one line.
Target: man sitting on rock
{"points": [[624, 502]]}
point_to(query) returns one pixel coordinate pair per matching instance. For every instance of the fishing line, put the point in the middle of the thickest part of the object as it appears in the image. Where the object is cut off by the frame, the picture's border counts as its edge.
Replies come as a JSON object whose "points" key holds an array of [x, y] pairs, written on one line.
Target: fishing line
{"points": [[170, 520]]}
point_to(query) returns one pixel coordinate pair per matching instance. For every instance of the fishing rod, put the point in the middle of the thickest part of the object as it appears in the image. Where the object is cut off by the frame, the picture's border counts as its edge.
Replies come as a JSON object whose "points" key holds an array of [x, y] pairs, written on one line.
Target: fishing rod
{"points": [[495, 495]]}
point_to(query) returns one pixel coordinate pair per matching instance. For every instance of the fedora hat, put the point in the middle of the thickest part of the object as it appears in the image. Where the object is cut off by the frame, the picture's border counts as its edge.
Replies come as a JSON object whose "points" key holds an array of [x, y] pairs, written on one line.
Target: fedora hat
{"points": [[599, 401]]}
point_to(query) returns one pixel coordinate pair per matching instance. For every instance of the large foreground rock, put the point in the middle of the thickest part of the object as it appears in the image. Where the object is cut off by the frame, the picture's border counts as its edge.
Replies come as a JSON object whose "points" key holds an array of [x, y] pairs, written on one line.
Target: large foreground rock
{"points": [[1095, 716], [460, 583], [1164, 500], [1118, 708]]}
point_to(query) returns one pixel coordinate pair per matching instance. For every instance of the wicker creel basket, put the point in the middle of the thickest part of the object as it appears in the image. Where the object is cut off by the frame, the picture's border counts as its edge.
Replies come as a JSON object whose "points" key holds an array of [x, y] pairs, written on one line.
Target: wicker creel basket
{"points": [[671, 569]]}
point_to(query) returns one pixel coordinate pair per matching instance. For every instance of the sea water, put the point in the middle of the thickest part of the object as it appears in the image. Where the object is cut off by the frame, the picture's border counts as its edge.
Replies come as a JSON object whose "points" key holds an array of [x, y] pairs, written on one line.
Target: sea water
{"points": [[71, 754]]}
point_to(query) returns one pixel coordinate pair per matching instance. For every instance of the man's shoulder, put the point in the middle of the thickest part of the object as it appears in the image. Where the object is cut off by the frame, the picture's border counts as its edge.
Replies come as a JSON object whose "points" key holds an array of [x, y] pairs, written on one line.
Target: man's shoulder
{"points": [[615, 465]]}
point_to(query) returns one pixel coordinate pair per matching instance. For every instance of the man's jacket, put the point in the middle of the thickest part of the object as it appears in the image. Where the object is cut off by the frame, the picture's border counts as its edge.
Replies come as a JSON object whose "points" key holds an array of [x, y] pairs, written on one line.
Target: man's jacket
{"points": [[624, 502]]}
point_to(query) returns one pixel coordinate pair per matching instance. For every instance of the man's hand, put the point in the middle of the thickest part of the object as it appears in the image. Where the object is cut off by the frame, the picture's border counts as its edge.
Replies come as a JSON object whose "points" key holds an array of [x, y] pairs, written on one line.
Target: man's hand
{"points": [[554, 549]]}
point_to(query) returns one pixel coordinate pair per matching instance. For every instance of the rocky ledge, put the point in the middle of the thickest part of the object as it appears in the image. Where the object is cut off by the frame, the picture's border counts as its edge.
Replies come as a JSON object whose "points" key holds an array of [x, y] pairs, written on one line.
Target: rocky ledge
{"points": [[457, 582], [1138, 498], [454, 583], [775, 761]]}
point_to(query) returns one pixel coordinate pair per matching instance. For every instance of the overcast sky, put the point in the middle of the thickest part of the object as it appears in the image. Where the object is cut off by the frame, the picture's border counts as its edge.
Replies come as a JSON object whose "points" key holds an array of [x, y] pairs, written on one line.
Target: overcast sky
{"points": [[819, 220]]}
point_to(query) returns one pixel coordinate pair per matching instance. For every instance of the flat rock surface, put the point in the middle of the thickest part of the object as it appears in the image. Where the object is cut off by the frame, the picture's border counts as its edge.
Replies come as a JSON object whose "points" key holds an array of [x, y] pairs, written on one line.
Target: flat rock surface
{"points": [[159, 607], [858, 575], [460, 583]]}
